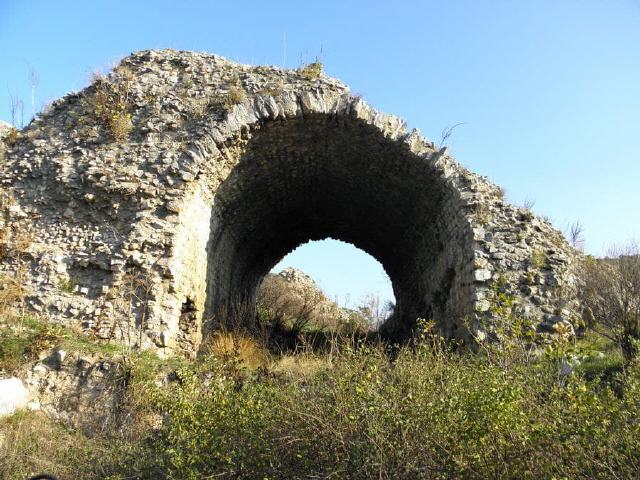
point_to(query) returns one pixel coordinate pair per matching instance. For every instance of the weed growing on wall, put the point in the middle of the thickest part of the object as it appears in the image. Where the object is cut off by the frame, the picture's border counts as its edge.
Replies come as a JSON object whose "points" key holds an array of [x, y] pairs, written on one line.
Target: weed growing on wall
{"points": [[109, 104], [311, 71]]}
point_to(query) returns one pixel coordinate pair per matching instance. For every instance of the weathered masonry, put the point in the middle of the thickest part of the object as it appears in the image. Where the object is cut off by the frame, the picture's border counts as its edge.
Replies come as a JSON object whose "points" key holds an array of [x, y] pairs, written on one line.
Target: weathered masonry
{"points": [[160, 217]]}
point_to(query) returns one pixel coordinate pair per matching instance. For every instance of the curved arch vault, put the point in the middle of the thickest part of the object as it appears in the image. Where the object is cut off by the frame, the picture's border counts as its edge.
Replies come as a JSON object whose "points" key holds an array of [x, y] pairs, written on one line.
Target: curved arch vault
{"points": [[324, 176], [230, 167]]}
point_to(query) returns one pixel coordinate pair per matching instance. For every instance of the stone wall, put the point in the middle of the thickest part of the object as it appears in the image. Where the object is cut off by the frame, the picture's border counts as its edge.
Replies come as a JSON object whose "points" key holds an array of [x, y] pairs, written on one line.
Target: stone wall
{"points": [[226, 169]]}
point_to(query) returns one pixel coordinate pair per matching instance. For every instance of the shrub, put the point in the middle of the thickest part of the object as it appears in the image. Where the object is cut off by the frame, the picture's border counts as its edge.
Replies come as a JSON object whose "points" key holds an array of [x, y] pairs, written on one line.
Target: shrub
{"points": [[109, 103], [235, 96], [538, 259], [120, 126], [12, 137], [429, 413], [311, 71], [285, 305], [226, 345], [610, 296]]}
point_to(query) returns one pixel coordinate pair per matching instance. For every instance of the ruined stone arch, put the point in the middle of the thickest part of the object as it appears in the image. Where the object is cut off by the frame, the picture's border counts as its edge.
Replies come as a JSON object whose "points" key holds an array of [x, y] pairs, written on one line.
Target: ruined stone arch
{"points": [[324, 175], [227, 169]]}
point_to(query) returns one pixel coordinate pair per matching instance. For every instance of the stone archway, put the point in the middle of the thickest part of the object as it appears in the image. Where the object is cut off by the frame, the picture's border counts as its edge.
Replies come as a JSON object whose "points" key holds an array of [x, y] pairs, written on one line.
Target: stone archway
{"points": [[227, 168], [321, 176]]}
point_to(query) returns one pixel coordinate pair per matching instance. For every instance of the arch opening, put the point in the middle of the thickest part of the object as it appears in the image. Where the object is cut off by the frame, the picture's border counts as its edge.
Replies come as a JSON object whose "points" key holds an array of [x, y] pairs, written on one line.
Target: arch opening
{"points": [[347, 275], [323, 176]]}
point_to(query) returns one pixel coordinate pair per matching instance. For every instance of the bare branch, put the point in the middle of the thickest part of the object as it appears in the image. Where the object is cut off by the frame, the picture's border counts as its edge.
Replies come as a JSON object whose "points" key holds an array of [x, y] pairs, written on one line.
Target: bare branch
{"points": [[528, 203], [447, 131], [575, 234], [610, 296], [17, 110]]}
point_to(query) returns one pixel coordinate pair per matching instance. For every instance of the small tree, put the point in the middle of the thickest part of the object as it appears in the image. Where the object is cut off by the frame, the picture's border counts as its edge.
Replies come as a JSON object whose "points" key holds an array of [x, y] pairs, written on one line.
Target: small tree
{"points": [[610, 296], [373, 311], [575, 233], [17, 110]]}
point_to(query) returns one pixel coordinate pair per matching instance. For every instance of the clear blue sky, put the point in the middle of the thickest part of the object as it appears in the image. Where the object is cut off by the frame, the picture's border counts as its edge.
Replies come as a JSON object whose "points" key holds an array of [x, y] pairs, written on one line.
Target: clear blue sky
{"points": [[548, 90]]}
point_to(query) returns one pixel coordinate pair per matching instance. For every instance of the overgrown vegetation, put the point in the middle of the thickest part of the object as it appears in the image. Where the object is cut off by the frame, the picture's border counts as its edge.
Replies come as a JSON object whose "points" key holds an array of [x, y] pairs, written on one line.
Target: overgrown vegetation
{"points": [[428, 413], [538, 259], [610, 296], [294, 315], [24, 338], [311, 71], [109, 104]]}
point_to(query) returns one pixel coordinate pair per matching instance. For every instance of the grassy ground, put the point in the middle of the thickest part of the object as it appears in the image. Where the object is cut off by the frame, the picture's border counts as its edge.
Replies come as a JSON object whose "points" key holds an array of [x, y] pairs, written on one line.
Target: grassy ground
{"points": [[352, 412], [599, 357], [23, 339]]}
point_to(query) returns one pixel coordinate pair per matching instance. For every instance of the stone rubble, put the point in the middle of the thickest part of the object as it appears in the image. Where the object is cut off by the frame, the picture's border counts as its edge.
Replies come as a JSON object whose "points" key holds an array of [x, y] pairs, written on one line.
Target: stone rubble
{"points": [[80, 390]]}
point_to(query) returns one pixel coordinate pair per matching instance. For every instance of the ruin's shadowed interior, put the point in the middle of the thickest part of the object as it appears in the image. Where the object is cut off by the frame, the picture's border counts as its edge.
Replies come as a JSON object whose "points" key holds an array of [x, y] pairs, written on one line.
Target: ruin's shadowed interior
{"points": [[325, 176]]}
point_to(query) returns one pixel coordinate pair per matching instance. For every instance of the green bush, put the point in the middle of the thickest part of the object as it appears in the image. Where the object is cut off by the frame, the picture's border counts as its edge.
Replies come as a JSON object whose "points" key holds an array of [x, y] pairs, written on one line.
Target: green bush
{"points": [[429, 412], [22, 340], [538, 259]]}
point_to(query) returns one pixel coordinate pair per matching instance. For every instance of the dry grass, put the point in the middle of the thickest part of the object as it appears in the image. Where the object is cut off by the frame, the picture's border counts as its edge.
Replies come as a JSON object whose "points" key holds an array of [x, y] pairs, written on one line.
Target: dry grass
{"points": [[15, 237], [482, 214], [238, 346], [311, 71], [538, 259], [200, 107], [11, 291], [31, 443], [28, 431], [109, 104], [300, 365], [235, 96], [12, 137], [12, 294]]}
